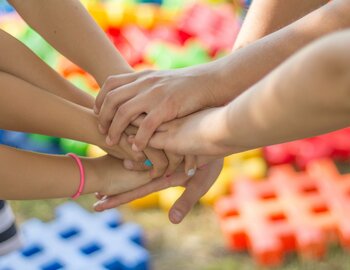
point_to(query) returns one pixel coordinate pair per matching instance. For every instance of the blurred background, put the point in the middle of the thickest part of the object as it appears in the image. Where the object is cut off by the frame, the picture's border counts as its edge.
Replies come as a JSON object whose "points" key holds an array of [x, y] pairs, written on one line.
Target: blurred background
{"points": [[269, 208]]}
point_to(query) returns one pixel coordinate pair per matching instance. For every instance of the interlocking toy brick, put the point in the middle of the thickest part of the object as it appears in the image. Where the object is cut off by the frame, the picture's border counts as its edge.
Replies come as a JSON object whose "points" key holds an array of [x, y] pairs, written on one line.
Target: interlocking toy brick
{"points": [[335, 145], [216, 28], [290, 211], [78, 240]]}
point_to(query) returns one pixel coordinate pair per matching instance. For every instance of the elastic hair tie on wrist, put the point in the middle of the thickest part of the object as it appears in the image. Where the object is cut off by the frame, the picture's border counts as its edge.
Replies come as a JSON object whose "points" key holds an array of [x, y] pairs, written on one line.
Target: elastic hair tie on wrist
{"points": [[82, 175]]}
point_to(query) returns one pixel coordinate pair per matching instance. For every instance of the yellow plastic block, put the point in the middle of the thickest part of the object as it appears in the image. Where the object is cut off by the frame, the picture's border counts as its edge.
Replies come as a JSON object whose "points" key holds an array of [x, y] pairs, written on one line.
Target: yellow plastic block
{"points": [[219, 188], [95, 151], [149, 201], [168, 197], [99, 13], [146, 15], [115, 13], [255, 168]]}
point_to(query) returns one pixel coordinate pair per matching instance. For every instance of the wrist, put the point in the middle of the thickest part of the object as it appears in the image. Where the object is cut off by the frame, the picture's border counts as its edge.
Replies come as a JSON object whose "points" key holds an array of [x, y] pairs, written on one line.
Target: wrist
{"points": [[94, 180]]}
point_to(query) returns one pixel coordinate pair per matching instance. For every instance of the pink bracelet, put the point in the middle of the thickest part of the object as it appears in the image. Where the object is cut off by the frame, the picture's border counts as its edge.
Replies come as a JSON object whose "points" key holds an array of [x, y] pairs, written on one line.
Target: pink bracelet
{"points": [[82, 175]]}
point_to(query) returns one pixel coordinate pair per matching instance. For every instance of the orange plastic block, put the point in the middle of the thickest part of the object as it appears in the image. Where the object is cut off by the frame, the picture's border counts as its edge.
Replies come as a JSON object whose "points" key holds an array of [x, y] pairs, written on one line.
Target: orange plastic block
{"points": [[290, 211]]}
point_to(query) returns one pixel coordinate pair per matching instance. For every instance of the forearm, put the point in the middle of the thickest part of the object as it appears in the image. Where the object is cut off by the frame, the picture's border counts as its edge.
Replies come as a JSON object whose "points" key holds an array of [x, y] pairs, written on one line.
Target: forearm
{"points": [[25, 107], [267, 16], [24, 64], [71, 30], [250, 64], [306, 96], [28, 175]]}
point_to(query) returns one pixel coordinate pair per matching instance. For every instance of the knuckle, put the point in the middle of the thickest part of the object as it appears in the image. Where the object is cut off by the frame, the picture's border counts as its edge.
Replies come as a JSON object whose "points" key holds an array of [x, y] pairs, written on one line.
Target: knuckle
{"points": [[109, 82], [149, 123], [122, 111]]}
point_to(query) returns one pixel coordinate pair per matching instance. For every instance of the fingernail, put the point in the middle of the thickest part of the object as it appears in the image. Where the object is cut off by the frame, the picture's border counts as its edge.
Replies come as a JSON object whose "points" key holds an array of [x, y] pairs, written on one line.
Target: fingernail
{"points": [[109, 141], [135, 148], [176, 216], [191, 172], [95, 109], [148, 163], [99, 203], [128, 164]]}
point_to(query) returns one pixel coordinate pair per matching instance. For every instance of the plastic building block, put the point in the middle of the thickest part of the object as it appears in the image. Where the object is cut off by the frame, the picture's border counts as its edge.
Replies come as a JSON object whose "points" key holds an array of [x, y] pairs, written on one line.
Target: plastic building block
{"points": [[80, 240], [71, 146], [216, 28], [94, 151], [290, 211], [334, 145]]}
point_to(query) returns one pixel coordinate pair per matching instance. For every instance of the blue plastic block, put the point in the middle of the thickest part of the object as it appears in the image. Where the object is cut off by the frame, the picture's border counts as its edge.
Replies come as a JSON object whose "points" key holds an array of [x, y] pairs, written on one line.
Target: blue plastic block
{"points": [[13, 138], [157, 2], [5, 7], [26, 142], [78, 240]]}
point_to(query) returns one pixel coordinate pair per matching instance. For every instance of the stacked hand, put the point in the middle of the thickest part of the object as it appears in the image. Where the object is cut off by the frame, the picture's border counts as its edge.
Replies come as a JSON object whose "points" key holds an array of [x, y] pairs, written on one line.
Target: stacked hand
{"points": [[162, 107]]}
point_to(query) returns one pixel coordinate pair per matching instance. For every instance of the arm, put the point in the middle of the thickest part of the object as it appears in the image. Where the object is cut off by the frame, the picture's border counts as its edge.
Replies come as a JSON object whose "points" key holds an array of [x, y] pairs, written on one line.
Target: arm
{"points": [[167, 95], [28, 176], [306, 96], [71, 30], [24, 64], [267, 16], [25, 107]]}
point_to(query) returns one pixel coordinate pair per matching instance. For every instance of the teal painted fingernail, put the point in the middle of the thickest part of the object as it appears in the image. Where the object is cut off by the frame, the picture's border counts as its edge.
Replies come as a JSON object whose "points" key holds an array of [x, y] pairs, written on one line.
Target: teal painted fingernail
{"points": [[148, 163]]}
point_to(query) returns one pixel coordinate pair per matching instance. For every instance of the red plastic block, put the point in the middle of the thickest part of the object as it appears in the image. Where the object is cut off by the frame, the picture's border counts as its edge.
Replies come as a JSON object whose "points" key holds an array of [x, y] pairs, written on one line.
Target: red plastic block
{"points": [[334, 145], [217, 28], [290, 211]]}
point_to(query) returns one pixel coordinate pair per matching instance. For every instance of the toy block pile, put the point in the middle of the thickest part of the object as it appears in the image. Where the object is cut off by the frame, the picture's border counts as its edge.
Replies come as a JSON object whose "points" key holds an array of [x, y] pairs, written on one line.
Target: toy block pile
{"points": [[78, 240], [335, 145], [290, 211]]}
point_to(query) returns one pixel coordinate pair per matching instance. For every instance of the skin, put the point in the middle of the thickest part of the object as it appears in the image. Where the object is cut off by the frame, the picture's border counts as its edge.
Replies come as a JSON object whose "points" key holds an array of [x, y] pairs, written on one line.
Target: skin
{"points": [[66, 22], [66, 108], [307, 95], [174, 88], [33, 176], [164, 95]]}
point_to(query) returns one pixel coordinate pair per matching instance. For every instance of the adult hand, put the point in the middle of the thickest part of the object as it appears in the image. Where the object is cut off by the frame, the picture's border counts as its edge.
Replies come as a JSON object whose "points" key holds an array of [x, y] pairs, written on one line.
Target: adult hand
{"points": [[161, 95], [196, 187], [205, 133]]}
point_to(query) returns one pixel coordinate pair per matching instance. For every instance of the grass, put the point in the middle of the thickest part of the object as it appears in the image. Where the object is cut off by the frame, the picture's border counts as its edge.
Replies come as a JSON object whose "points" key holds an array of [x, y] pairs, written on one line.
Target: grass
{"points": [[196, 244]]}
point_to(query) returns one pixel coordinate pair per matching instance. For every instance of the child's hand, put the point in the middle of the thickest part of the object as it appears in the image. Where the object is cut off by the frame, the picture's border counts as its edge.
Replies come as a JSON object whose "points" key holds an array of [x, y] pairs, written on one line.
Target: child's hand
{"points": [[196, 187], [161, 163], [162, 95], [114, 177]]}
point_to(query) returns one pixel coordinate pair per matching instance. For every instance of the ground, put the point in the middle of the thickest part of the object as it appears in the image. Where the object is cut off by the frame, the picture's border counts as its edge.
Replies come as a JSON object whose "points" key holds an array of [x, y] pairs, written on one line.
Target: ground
{"points": [[196, 244]]}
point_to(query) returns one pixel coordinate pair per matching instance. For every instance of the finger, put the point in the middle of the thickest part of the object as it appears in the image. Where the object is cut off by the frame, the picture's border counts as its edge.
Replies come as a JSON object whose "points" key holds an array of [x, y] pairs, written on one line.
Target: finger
{"points": [[196, 188], [159, 161], [136, 166], [131, 130], [125, 114], [159, 140], [113, 100], [126, 147], [174, 163], [100, 196], [111, 83], [190, 165], [148, 126], [137, 122], [155, 185]]}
